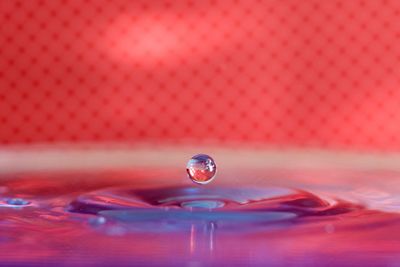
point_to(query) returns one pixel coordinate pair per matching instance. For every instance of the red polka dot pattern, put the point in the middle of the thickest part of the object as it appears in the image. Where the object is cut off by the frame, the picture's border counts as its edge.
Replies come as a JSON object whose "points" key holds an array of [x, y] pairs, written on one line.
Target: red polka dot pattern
{"points": [[294, 73]]}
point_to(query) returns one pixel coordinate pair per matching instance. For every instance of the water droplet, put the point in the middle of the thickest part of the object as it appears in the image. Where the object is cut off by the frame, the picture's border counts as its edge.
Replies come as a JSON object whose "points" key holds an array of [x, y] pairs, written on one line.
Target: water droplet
{"points": [[17, 201], [201, 169]]}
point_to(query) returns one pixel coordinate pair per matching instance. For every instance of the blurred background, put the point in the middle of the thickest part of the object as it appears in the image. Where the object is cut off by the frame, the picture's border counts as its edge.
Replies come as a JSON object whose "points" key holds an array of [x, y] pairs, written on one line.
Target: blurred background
{"points": [[274, 74]]}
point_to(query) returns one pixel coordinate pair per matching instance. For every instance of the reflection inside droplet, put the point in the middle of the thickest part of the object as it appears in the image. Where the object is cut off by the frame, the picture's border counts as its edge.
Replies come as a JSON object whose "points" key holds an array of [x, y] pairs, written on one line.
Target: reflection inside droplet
{"points": [[201, 169]]}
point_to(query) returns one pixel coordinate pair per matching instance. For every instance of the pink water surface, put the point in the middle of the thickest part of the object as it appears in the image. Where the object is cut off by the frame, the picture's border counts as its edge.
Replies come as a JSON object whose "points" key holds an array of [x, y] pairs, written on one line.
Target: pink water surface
{"points": [[135, 218]]}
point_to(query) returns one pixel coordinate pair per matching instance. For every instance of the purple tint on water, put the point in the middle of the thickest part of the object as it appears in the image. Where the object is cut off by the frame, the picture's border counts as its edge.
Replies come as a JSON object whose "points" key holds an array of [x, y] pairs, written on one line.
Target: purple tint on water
{"points": [[83, 220]]}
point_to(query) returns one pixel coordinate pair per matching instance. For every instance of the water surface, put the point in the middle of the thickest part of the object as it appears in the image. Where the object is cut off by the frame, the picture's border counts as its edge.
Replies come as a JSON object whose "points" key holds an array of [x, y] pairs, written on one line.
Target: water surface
{"points": [[158, 218]]}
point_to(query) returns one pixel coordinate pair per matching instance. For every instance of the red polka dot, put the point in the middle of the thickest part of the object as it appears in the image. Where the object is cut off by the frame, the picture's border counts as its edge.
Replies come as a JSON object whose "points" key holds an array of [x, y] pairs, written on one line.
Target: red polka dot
{"points": [[314, 73]]}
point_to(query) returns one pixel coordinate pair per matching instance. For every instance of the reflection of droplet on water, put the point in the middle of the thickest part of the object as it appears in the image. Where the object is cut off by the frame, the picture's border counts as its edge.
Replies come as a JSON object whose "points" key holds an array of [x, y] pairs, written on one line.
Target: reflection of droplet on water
{"points": [[17, 201], [201, 169]]}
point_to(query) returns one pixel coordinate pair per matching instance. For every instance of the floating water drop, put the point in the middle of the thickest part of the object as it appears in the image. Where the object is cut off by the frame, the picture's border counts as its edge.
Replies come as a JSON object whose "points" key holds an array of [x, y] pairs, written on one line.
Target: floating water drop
{"points": [[201, 169]]}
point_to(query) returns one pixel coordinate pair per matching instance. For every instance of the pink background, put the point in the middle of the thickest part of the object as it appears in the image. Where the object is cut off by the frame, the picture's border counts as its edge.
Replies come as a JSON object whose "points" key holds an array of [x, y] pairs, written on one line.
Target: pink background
{"points": [[289, 73]]}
